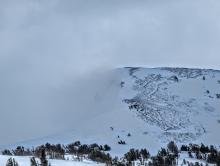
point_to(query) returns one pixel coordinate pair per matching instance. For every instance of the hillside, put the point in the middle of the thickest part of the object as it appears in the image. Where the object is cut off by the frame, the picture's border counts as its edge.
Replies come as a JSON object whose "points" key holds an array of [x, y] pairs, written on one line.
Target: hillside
{"points": [[153, 106], [182, 103]]}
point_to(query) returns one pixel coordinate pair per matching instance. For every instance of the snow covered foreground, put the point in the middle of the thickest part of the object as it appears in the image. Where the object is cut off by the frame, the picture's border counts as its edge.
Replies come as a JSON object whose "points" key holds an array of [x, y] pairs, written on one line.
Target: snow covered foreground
{"points": [[25, 161], [154, 106]]}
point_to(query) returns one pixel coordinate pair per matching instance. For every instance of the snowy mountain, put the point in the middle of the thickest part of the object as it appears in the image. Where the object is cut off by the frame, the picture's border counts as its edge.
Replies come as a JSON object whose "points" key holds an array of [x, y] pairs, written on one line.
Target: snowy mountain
{"points": [[150, 107], [182, 103]]}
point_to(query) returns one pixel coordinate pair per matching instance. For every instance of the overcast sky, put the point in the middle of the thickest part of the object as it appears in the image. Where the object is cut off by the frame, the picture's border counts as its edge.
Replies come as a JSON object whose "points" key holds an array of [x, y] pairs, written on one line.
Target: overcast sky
{"points": [[48, 47]]}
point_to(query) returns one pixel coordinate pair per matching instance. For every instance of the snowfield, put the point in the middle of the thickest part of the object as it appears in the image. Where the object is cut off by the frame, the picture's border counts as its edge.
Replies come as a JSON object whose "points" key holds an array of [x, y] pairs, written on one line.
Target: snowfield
{"points": [[25, 161], [154, 106], [182, 103]]}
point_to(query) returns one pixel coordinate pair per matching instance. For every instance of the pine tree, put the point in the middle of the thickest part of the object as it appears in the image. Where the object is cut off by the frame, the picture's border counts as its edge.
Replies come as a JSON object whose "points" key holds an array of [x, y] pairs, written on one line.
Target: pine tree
{"points": [[172, 147], [33, 162], [43, 159], [107, 148], [11, 162], [145, 154]]}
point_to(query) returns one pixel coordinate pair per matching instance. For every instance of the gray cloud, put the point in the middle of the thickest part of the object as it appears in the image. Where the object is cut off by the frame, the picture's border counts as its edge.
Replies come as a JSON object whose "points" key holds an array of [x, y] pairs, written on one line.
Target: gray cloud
{"points": [[51, 49]]}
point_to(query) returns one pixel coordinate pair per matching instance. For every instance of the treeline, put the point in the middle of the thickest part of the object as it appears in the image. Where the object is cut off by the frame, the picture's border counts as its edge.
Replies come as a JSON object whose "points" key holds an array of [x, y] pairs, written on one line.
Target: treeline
{"points": [[165, 157], [94, 152], [33, 162], [169, 156], [210, 154]]}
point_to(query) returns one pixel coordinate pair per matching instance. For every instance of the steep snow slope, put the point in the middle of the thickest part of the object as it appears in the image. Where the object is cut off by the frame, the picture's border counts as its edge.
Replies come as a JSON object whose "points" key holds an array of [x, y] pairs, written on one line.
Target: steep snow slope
{"points": [[163, 104], [182, 103], [153, 105]]}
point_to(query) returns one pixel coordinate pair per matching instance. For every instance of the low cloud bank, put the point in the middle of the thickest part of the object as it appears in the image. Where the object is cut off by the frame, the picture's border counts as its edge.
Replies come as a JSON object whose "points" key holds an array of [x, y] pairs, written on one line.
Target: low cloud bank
{"points": [[53, 54]]}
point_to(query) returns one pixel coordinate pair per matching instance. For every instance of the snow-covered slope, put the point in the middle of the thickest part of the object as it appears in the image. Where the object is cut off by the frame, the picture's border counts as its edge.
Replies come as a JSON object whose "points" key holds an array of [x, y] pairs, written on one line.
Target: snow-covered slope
{"points": [[25, 161], [182, 103], [153, 105]]}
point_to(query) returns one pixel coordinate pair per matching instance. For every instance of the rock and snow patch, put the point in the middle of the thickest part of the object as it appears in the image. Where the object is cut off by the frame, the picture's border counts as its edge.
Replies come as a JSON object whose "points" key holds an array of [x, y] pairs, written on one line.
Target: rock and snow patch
{"points": [[175, 100]]}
